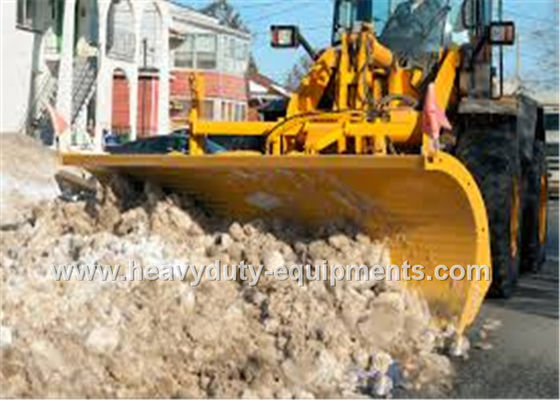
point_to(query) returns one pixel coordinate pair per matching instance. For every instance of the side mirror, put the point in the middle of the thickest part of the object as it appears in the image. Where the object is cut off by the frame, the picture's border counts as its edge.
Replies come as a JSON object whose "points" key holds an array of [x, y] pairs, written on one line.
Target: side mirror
{"points": [[289, 37], [502, 33], [285, 36]]}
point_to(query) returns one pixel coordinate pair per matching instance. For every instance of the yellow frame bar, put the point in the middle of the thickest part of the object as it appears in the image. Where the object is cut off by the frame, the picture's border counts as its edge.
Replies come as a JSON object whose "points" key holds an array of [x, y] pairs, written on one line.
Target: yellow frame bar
{"points": [[210, 128]]}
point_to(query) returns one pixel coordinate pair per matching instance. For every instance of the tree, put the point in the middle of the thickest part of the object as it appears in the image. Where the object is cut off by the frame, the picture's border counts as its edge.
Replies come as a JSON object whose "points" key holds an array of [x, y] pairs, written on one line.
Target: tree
{"points": [[540, 46], [252, 67], [225, 13], [298, 72]]}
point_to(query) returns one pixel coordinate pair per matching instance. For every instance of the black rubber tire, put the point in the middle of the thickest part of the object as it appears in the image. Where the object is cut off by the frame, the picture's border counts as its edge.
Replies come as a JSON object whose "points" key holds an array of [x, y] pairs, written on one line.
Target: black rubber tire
{"points": [[492, 157], [534, 250]]}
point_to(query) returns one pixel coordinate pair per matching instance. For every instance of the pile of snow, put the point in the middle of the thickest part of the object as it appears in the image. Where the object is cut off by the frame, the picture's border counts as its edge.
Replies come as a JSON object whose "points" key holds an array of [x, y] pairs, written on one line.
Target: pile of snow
{"points": [[27, 175], [220, 339]]}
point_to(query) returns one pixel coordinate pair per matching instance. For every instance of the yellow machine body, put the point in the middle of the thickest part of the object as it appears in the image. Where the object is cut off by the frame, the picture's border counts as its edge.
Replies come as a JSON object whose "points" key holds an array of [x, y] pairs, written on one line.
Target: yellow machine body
{"points": [[322, 165]]}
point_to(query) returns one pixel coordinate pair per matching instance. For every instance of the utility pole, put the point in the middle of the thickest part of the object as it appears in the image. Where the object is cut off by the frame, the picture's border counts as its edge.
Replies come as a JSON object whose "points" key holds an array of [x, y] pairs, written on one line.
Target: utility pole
{"points": [[144, 81], [501, 18], [518, 58]]}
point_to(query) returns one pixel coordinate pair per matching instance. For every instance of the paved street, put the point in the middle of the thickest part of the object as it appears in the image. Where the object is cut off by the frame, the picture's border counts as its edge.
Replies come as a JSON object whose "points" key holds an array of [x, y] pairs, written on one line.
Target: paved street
{"points": [[524, 360]]}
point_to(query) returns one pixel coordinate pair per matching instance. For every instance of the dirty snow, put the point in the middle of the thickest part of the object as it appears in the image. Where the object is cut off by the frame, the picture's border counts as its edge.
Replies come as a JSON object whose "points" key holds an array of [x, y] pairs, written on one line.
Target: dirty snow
{"points": [[220, 339], [27, 175]]}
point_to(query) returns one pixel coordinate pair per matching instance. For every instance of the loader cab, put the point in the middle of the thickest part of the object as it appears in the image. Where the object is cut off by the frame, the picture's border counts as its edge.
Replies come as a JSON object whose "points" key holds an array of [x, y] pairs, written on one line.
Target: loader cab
{"points": [[412, 29], [459, 15], [417, 31]]}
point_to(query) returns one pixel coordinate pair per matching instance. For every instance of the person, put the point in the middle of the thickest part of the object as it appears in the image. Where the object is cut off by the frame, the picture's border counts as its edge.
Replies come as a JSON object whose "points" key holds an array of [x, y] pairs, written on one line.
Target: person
{"points": [[90, 129], [415, 29], [109, 139]]}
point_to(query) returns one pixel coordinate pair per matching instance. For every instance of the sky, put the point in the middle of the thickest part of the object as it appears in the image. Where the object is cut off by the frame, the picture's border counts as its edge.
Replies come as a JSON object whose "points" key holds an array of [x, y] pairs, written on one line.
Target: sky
{"points": [[536, 20]]}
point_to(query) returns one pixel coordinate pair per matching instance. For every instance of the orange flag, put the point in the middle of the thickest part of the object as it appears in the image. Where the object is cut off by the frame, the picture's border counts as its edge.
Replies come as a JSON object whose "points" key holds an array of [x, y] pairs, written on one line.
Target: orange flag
{"points": [[434, 118], [59, 123]]}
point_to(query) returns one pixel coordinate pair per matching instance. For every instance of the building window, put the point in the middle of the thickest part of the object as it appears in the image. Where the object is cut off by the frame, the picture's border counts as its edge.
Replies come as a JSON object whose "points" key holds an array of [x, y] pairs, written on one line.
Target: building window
{"points": [[206, 51], [121, 38], [231, 48], [241, 50], [52, 7], [26, 13], [121, 44], [184, 55], [237, 115], [208, 110], [230, 112], [239, 112], [197, 51], [235, 54]]}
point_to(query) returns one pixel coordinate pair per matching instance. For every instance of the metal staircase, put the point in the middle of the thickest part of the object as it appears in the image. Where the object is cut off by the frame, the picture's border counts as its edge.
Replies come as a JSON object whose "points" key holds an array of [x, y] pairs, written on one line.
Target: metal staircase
{"points": [[37, 121], [36, 118], [83, 85]]}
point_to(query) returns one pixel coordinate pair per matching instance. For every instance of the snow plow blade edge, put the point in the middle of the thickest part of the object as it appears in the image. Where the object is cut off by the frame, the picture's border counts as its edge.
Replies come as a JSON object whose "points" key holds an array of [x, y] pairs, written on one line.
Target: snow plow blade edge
{"points": [[430, 209]]}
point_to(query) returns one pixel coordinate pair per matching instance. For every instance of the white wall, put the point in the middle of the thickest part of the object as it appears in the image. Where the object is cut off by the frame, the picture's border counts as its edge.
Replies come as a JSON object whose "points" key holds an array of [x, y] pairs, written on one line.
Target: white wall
{"points": [[131, 67], [16, 65]]}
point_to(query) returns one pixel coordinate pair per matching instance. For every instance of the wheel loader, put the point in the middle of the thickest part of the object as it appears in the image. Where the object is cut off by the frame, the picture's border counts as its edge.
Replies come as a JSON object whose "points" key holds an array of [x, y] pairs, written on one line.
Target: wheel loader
{"points": [[401, 126]]}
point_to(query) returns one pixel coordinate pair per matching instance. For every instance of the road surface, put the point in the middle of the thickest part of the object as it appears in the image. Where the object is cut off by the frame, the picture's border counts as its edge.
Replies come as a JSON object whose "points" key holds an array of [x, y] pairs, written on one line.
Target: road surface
{"points": [[524, 360]]}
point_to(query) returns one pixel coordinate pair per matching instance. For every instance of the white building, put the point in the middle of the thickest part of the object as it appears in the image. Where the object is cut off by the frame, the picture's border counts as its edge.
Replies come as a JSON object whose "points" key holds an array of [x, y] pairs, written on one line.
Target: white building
{"points": [[114, 65]]}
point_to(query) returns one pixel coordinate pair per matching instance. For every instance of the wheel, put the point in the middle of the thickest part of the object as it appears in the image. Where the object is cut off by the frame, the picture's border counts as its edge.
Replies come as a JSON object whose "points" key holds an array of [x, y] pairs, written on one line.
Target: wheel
{"points": [[492, 156], [535, 211]]}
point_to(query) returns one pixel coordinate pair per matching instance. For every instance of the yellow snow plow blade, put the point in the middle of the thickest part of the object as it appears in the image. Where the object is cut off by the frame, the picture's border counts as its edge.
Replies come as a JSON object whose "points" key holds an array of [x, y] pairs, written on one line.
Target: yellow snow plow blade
{"points": [[431, 209]]}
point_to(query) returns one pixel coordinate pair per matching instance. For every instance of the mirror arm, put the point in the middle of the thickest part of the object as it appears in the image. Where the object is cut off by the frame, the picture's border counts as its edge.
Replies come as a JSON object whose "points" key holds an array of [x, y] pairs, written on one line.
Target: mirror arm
{"points": [[307, 46], [479, 45]]}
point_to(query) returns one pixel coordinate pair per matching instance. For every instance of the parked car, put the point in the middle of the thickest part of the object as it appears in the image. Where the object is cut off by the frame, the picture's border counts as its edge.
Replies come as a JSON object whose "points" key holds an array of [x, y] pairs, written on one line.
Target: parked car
{"points": [[179, 141]]}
